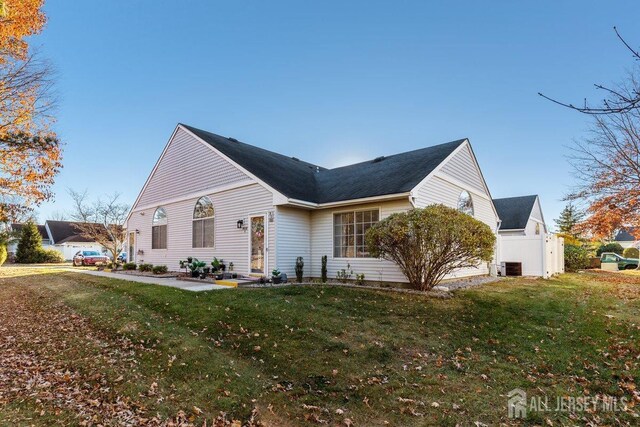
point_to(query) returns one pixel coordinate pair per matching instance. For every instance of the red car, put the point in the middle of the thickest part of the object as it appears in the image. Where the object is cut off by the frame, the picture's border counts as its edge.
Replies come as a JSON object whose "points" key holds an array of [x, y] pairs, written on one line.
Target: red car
{"points": [[89, 258]]}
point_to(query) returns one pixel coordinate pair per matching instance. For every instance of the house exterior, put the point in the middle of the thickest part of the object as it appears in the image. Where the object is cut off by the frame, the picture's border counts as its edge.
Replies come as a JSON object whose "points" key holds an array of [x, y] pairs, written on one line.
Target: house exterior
{"points": [[17, 228], [628, 237], [210, 195], [62, 236], [524, 237]]}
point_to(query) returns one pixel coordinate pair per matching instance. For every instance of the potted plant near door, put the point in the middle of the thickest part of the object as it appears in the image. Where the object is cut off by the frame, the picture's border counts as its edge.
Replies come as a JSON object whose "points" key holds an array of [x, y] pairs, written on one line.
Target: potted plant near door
{"points": [[196, 268], [276, 276], [217, 266]]}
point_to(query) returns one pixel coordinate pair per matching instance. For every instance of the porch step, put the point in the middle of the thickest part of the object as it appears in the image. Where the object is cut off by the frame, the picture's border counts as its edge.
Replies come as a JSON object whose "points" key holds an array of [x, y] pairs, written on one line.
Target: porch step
{"points": [[231, 282]]}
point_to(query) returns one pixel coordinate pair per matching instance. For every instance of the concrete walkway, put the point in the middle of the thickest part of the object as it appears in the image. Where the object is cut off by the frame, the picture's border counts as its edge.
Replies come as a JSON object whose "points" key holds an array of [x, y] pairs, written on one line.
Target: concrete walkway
{"points": [[168, 281]]}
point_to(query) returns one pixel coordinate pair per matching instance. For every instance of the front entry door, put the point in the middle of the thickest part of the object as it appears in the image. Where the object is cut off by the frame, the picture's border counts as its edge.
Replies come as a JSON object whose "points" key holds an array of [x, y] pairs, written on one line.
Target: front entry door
{"points": [[257, 239], [132, 247]]}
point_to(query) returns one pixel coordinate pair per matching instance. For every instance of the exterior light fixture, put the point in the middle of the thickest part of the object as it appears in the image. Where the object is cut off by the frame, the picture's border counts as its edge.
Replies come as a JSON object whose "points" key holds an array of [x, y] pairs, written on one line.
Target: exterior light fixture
{"points": [[137, 231], [240, 224]]}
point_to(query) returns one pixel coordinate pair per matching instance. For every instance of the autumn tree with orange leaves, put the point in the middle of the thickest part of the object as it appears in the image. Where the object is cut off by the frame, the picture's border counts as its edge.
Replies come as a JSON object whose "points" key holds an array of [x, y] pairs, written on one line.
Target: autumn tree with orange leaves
{"points": [[607, 166], [30, 152]]}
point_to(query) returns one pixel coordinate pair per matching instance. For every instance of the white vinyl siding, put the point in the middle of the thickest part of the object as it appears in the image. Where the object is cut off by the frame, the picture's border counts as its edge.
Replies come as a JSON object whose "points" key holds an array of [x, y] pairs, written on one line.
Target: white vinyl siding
{"points": [[525, 247], [463, 167], [188, 166], [374, 269], [294, 240], [231, 243], [458, 174], [438, 190]]}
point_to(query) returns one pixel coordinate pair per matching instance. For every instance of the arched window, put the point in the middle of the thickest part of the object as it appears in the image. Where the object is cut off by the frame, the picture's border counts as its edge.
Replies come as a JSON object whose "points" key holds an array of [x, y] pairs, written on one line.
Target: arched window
{"points": [[203, 219], [465, 203], [159, 229]]}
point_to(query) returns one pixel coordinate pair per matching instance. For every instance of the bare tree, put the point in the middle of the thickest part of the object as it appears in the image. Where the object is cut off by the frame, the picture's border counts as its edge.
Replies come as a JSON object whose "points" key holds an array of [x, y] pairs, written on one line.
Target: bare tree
{"points": [[617, 100], [58, 216], [101, 221], [607, 168], [27, 97]]}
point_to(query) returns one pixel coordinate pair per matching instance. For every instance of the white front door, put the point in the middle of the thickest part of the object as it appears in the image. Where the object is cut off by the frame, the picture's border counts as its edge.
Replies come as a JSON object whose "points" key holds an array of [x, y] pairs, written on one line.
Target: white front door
{"points": [[257, 244]]}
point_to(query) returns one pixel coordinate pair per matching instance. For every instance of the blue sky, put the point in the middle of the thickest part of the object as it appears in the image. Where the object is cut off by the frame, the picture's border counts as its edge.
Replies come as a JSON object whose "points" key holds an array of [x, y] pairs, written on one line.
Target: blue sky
{"points": [[331, 82]]}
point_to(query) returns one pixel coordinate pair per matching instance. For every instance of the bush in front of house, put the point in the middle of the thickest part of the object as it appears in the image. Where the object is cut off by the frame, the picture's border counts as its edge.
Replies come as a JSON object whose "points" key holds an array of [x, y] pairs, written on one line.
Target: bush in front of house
{"points": [[576, 257], [628, 253], [50, 256], [610, 247], [323, 269], [160, 269], [129, 266], [145, 267], [299, 269], [429, 243]]}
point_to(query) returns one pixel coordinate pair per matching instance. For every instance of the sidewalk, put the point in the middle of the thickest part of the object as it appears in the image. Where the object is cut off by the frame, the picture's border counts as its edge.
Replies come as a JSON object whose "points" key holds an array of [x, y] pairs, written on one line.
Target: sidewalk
{"points": [[171, 282]]}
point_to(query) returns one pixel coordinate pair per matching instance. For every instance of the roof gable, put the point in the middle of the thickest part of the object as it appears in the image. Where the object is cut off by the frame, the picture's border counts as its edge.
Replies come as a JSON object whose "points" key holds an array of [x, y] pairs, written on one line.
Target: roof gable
{"points": [[186, 163], [514, 212], [463, 167], [305, 181]]}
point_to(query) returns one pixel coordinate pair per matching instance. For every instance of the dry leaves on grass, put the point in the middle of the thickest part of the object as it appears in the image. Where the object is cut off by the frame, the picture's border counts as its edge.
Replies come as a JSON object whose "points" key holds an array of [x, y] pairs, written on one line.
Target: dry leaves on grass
{"points": [[39, 339]]}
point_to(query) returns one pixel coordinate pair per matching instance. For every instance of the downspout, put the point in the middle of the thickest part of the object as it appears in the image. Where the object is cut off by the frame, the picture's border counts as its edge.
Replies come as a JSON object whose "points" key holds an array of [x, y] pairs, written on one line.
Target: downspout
{"points": [[497, 251]]}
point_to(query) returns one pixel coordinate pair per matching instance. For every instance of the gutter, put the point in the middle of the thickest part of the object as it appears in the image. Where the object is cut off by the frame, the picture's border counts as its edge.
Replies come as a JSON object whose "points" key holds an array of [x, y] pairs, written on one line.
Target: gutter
{"points": [[303, 203], [498, 224]]}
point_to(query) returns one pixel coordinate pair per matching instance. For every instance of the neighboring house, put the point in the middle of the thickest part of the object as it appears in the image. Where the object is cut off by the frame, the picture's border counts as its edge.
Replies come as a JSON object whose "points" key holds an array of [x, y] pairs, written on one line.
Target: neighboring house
{"points": [[628, 237], [63, 236], [524, 237], [210, 195], [17, 228]]}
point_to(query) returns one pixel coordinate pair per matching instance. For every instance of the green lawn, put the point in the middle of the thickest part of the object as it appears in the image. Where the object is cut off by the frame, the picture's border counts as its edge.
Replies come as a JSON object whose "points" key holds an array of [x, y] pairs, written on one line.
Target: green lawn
{"points": [[309, 355]]}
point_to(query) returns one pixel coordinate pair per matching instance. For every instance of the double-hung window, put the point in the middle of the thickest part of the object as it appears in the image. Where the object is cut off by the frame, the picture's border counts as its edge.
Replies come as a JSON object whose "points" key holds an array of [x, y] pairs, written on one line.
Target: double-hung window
{"points": [[159, 229], [349, 229], [203, 221]]}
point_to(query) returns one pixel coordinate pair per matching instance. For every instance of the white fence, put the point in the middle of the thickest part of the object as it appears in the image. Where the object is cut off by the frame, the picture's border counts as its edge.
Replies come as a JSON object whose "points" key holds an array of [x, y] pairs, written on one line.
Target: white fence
{"points": [[540, 255], [554, 262]]}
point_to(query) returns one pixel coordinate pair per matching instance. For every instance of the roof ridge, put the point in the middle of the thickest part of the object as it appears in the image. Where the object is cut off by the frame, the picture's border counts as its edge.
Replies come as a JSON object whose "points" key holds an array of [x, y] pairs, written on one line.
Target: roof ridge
{"points": [[231, 139], [389, 156], [516, 197]]}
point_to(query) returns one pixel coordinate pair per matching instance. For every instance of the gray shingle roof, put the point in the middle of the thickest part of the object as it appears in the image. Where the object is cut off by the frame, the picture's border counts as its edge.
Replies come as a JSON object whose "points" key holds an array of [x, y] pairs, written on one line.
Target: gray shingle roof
{"points": [[301, 180], [41, 229], [514, 211], [65, 231], [628, 235]]}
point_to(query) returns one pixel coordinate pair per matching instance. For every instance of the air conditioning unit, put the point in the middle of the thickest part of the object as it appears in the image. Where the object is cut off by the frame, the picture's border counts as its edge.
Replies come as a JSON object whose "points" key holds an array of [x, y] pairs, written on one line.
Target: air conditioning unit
{"points": [[511, 269]]}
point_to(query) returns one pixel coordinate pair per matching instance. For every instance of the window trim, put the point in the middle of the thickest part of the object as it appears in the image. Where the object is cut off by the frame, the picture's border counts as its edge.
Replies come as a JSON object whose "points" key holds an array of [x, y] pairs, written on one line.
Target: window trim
{"points": [[473, 205], [333, 224], [165, 223], [194, 219]]}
